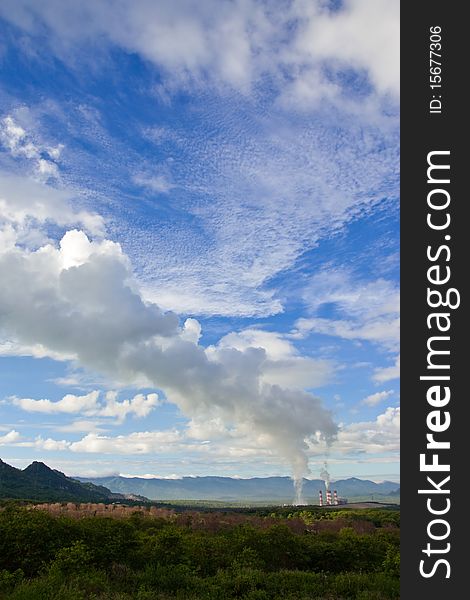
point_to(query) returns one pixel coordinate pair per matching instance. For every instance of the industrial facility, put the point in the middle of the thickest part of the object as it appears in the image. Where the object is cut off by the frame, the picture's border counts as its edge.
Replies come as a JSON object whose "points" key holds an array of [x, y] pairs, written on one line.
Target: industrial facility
{"points": [[335, 501]]}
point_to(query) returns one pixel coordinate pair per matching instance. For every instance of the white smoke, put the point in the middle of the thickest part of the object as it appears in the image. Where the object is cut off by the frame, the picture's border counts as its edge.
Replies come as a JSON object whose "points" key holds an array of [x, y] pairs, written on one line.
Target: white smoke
{"points": [[298, 487], [325, 475], [80, 301]]}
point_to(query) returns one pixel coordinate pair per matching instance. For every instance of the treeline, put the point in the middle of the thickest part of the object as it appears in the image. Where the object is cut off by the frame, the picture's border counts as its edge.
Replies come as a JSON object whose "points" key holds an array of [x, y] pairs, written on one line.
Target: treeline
{"points": [[43, 556]]}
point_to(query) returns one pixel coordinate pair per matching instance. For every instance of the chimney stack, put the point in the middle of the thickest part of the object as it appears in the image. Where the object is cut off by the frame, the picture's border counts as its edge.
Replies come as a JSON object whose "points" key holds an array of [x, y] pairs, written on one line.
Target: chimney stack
{"points": [[320, 497], [328, 497], [335, 498]]}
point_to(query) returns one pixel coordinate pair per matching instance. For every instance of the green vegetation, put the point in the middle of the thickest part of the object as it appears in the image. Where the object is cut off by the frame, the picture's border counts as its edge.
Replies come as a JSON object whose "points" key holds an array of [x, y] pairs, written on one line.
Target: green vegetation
{"points": [[303, 555], [40, 483]]}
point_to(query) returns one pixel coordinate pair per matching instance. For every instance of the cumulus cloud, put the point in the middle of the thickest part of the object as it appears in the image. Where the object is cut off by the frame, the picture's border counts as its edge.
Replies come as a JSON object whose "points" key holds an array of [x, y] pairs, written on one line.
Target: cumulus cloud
{"points": [[9, 438], [370, 437], [89, 405], [377, 398], [69, 404], [141, 442], [25, 205], [81, 299], [49, 444], [76, 299]]}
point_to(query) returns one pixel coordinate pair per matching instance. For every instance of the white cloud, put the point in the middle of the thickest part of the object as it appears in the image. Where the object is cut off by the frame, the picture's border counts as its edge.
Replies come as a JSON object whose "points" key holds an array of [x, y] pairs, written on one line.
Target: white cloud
{"points": [[363, 35], [191, 330], [10, 347], [157, 183], [23, 199], [383, 374], [377, 398], [382, 331], [229, 43], [210, 429], [265, 210], [140, 405], [71, 380], [89, 405], [69, 404], [362, 310], [150, 476], [16, 139], [142, 442], [370, 437], [9, 438], [82, 425], [50, 445], [353, 297]]}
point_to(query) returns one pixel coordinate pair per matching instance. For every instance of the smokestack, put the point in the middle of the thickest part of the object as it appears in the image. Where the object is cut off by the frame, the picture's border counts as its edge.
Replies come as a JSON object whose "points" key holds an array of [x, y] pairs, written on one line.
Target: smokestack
{"points": [[335, 497], [328, 497], [320, 498]]}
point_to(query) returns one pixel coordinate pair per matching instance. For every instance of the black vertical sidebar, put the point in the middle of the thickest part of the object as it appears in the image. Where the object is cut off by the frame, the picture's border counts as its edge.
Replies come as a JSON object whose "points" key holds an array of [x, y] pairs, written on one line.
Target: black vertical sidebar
{"points": [[434, 120]]}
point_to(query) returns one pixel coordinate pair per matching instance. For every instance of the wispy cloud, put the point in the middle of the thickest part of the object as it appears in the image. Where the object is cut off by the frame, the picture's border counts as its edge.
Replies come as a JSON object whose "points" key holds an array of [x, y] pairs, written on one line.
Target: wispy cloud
{"points": [[260, 181], [231, 44], [383, 374], [359, 310], [377, 398], [156, 183], [20, 143]]}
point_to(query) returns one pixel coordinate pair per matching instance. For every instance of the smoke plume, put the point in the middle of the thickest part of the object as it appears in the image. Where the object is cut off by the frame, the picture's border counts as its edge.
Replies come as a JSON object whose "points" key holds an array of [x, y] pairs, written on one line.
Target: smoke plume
{"points": [[79, 301], [325, 475]]}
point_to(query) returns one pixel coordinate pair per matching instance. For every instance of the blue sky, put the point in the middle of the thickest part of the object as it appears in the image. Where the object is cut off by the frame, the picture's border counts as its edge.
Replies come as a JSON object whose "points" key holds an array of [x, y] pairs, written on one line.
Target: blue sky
{"points": [[199, 237]]}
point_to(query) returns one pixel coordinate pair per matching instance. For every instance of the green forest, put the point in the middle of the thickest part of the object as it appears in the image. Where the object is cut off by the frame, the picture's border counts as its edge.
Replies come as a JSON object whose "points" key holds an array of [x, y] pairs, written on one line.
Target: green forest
{"points": [[302, 554]]}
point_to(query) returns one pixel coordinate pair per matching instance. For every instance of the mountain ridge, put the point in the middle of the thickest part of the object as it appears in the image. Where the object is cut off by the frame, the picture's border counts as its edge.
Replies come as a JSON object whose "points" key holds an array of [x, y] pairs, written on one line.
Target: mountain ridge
{"points": [[38, 482], [231, 489]]}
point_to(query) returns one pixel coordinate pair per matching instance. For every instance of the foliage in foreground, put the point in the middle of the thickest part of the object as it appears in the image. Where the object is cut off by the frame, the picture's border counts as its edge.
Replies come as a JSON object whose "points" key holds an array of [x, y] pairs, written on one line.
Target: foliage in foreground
{"points": [[60, 558]]}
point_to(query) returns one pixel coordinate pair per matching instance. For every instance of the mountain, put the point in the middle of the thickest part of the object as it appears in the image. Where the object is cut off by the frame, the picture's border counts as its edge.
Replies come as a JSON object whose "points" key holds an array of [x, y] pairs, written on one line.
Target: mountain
{"points": [[40, 483], [363, 487], [256, 489]]}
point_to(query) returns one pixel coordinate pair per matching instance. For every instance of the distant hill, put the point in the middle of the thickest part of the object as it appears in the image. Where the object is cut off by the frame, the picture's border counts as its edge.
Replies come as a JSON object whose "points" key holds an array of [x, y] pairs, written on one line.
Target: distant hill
{"points": [[40, 483], [256, 489]]}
